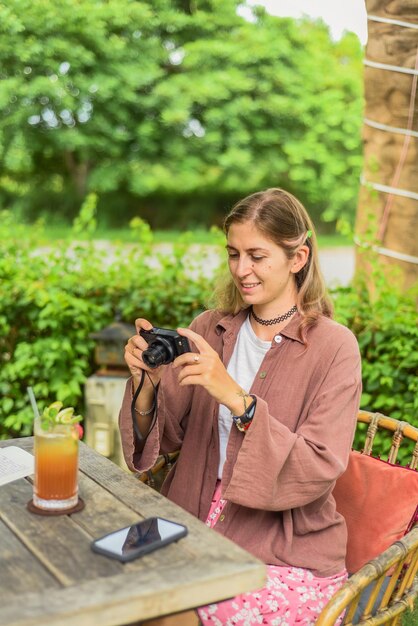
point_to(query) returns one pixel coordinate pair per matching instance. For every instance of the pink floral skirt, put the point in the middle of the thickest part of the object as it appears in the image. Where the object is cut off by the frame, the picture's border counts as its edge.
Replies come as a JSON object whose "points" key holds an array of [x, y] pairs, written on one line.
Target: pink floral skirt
{"points": [[292, 595]]}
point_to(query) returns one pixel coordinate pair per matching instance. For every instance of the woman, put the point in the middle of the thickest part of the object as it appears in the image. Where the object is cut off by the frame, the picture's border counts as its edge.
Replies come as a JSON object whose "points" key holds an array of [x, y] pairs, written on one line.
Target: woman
{"points": [[264, 411]]}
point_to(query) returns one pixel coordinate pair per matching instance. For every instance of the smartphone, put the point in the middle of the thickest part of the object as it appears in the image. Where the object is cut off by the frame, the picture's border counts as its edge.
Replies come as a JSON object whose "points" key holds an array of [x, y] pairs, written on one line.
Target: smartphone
{"points": [[133, 541]]}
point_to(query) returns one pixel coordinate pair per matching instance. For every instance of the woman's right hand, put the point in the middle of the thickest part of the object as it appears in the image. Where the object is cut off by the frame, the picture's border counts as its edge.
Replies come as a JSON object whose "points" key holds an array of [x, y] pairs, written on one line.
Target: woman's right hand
{"points": [[133, 356]]}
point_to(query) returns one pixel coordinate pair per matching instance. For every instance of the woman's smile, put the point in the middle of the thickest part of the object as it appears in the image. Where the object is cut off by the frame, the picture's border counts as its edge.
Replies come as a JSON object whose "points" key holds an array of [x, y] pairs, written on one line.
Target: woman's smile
{"points": [[247, 287]]}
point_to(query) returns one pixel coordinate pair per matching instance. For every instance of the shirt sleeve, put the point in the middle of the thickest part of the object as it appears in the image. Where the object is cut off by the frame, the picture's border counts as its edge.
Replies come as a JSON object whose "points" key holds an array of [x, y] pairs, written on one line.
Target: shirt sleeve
{"points": [[292, 469], [173, 407], [168, 431]]}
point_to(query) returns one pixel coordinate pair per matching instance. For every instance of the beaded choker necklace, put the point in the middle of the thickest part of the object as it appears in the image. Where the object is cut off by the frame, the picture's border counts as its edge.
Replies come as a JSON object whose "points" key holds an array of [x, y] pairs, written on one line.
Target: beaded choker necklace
{"points": [[276, 320]]}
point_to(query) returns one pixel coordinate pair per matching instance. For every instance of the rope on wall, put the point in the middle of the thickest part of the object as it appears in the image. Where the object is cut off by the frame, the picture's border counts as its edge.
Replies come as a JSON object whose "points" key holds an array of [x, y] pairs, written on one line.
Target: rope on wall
{"points": [[391, 190], [390, 68], [387, 20], [393, 254], [390, 129]]}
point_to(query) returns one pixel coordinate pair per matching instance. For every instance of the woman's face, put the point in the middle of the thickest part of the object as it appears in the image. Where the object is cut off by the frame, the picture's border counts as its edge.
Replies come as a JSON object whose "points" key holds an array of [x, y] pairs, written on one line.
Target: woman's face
{"points": [[260, 268]]}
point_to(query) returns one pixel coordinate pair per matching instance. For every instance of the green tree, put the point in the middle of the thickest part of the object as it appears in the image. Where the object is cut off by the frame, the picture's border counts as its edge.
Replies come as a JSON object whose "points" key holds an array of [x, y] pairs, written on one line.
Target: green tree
{"points": [[73, 73], [176, 106]]}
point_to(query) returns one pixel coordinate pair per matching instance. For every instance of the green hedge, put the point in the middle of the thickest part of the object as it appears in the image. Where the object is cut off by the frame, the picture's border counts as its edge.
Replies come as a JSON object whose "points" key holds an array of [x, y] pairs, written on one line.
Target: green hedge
{"points": [[52, 299], [385, 324]]}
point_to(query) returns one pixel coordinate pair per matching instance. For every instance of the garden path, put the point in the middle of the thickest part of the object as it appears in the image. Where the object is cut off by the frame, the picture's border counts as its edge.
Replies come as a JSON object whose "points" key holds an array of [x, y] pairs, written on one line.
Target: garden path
{"points": [[337, 264]]}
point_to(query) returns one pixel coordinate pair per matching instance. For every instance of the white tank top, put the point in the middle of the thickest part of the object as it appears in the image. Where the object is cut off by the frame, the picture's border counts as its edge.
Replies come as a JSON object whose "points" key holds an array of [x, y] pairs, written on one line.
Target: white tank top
{"points": [[245, 362]]}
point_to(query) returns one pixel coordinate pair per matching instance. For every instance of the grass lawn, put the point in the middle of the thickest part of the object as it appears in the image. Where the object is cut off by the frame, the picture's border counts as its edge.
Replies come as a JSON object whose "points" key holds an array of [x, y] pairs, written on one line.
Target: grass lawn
{"points": [[59, 232], [411, 617]]}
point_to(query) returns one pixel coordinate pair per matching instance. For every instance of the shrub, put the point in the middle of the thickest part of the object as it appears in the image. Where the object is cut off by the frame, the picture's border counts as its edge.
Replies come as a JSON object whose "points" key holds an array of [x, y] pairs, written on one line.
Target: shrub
{"points": [[52, 299], [385, 324]]}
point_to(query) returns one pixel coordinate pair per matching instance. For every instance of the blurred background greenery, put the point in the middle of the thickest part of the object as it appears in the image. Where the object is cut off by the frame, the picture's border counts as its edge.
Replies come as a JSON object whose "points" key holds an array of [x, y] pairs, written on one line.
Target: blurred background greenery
{"points": [[173, 111]]}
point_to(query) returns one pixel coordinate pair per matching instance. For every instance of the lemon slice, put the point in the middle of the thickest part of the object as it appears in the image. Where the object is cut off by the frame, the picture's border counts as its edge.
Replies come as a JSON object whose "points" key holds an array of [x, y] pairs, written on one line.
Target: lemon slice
{"points": [[65, 416]]}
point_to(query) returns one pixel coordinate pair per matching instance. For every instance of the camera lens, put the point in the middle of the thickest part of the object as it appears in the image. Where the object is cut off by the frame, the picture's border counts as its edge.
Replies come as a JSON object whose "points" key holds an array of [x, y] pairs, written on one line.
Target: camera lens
{"points": [[158, 353]]}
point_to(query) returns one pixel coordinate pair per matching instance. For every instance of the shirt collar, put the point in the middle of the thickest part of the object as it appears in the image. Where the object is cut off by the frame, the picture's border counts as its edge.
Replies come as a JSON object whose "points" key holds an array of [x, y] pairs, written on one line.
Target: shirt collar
{"points": [[292, 329], [233, 322]]}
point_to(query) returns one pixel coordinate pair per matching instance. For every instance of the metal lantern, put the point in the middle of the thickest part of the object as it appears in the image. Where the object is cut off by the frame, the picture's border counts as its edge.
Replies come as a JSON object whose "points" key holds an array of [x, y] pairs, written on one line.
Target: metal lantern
{"points": [[109, 350]]}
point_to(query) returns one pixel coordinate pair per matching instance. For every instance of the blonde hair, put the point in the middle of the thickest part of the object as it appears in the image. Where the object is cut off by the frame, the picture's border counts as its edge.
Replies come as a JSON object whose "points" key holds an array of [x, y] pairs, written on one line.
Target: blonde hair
{"points": [[284, 220]]}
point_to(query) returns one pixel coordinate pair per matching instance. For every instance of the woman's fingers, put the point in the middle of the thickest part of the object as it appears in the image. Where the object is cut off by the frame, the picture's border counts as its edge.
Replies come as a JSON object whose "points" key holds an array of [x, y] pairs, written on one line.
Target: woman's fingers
{"points": [[189, 358], [200, 343], [198, 369], [141, 323], [133, 357], [190, 364], [204, 350], [193, 368], [135, 347]]}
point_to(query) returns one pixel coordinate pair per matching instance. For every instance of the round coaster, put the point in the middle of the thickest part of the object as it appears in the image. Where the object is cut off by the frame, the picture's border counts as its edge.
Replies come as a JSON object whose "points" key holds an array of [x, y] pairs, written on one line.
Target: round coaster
{"points": [[75, 509]]}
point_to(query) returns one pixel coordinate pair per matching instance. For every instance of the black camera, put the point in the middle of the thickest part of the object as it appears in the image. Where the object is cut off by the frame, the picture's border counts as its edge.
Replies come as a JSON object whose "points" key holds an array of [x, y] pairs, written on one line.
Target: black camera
{"points": [[164, 346]]}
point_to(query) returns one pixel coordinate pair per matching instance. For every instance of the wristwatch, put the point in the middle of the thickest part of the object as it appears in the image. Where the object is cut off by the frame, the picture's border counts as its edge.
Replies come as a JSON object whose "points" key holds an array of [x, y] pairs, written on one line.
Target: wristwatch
{"points": [[242, 422]]}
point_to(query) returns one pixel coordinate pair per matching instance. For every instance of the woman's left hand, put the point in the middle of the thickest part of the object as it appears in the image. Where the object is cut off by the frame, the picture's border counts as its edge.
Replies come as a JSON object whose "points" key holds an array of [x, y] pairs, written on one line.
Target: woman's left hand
{"points": [[205, 368]]}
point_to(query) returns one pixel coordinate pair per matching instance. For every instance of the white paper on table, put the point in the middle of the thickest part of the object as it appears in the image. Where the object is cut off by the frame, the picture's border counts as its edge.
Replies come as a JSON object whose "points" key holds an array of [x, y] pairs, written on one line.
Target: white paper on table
{"points": [[15, 463]]}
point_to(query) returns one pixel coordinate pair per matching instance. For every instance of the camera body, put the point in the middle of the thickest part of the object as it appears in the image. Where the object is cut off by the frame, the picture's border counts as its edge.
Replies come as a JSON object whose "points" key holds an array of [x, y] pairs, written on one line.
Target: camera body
{"points": [[164, 346]]}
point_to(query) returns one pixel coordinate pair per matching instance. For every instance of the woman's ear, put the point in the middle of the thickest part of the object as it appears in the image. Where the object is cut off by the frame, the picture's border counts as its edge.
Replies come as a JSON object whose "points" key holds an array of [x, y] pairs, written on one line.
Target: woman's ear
{"points": [[300, 259]]}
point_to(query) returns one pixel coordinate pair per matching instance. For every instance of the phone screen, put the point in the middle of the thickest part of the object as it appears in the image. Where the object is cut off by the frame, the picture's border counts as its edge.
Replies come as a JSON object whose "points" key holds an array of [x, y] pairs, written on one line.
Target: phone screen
{"points": [[139, 538]]}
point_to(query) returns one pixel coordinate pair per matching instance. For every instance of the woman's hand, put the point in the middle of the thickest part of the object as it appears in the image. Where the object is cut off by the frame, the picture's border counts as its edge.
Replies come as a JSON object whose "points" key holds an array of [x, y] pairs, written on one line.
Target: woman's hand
{"points": [[133, 356], [205, 368]]}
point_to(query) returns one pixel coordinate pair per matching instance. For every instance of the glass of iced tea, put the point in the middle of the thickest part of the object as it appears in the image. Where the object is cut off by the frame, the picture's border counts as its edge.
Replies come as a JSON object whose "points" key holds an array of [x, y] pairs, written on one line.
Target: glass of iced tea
{"points": [[55, 486]]}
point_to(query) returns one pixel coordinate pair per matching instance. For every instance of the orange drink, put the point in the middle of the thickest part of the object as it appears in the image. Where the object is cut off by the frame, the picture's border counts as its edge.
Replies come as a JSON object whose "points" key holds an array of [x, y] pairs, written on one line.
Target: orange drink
{"points": [[56, 466]]}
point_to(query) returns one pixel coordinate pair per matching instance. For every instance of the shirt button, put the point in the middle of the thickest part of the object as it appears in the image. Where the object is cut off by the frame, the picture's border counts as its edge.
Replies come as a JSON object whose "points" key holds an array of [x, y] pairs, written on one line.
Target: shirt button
{"points": [[263, 374], [278, 338], [221, 518]]}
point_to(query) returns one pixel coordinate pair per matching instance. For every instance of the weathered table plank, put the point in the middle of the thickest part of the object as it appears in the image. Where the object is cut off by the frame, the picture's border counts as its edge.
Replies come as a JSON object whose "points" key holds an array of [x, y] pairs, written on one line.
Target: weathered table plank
{"points": [[19, 569], [57, 542], [66, 584]]}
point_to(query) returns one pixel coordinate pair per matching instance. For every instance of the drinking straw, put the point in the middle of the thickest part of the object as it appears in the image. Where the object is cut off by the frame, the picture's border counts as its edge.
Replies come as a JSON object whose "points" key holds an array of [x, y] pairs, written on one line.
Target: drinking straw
{"points": [[33, 402]]}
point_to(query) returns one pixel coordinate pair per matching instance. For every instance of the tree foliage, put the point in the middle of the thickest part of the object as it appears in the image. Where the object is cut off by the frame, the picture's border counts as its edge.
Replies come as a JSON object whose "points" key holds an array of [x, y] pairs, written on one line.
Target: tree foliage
{"points": [[176, 106]]}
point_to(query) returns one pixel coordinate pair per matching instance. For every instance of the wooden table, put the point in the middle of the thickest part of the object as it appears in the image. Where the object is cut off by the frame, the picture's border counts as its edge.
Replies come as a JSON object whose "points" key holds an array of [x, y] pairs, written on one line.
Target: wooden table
{"points": [[49, 575]]}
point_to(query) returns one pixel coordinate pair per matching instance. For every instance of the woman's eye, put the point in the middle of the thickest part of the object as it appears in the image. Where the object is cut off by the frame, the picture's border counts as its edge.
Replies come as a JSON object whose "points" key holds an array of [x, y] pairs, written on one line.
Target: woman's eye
{"points": [[232, 255], [257, 258]]}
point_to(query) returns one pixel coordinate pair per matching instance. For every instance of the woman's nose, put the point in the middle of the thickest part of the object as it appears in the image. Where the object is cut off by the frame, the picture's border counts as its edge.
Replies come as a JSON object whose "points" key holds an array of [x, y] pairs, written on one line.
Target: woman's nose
{"points": [[243, 267]]}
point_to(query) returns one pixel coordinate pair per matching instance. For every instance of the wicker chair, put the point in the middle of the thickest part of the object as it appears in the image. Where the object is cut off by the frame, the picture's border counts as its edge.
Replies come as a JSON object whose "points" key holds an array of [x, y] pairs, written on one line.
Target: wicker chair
{"points": [[386, 586], [400, 430], [154, 477], [394, 571]]}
